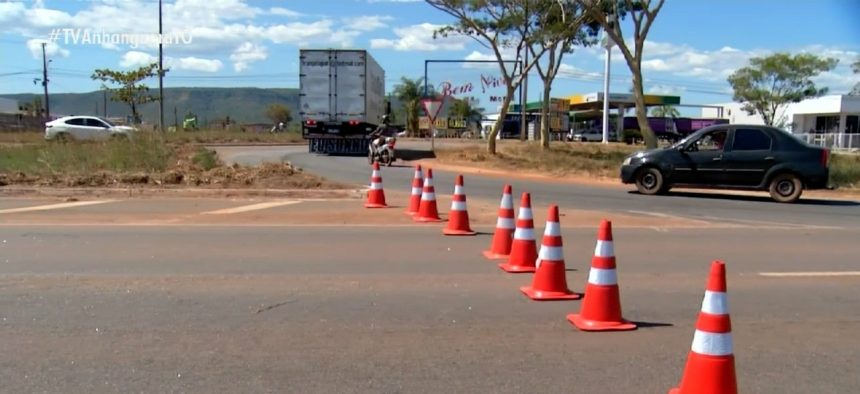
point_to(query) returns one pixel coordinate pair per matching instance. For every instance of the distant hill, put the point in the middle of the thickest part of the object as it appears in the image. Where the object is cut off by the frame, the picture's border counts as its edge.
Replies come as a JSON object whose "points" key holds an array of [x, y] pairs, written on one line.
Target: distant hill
{"points": [[245, 105]]}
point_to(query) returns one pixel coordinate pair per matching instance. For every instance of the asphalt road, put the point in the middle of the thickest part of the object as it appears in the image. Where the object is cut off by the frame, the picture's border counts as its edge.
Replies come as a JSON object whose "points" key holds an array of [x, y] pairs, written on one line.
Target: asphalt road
{"points": [[225, 309], [695, 205]]}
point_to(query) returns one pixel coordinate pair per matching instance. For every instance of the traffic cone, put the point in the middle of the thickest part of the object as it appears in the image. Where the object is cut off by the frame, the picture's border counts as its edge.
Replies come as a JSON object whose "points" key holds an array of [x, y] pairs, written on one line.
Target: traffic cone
{"points": [[550, 280], [500, 247], [427, 211], [415, 198], [376, 195], [711, 363], [601, 309], [523, 247], [458, 218]]}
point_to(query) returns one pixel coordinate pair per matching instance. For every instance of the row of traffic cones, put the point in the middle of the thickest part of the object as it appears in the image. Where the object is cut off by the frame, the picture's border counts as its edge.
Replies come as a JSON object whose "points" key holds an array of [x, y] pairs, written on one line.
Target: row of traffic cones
{"points": [[710, 364], [422, 202]]}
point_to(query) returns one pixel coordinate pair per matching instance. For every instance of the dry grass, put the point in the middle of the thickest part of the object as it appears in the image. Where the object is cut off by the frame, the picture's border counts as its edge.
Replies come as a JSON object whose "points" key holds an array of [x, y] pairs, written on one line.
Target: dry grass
{"points": [[845, 170], [200, 136], [594, 160]]}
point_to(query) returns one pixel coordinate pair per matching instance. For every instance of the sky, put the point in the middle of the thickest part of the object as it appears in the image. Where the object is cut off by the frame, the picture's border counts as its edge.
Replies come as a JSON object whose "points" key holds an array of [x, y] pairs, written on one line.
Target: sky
{"points": [[691, 49]]}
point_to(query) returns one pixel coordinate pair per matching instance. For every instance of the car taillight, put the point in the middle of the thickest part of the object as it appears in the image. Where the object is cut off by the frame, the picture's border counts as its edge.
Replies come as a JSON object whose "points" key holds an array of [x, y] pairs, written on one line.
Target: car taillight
{"points": [[312, 122], [825, 157], [353, 122]]}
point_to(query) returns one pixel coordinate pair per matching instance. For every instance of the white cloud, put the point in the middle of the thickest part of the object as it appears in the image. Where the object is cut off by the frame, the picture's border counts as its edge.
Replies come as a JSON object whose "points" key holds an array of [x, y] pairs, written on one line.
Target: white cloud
{"points": [[367, 23], [573, 72], [420, 38], [51, 49], [246, 54], [665, 89], [195, 64], [284, 12], [135, 59]]}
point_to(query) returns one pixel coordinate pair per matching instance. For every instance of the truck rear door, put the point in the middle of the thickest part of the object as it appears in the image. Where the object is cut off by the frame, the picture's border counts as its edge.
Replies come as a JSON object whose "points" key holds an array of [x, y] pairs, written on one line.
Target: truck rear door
{"points": [[316, 96], [349, 70]]}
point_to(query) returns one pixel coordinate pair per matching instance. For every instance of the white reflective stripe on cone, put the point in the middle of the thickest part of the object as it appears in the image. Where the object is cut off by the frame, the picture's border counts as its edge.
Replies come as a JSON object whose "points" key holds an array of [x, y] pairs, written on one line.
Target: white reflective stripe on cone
{"points": [[375, 173], [416, 191], [551, 253], [604, 249], [428, 182], [507, 202], [428, 196], [715, 303], [537, 262], [553, 229], [602, 276], [525, 213], [375, 186], [525, 234], [712, 344], [458, 205], [505, 223], [458, 189]]}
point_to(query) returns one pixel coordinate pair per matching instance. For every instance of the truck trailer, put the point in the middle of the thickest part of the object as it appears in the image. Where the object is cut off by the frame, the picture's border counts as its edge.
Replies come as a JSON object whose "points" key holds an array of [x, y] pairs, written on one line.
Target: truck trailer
{"points": [[341, 99]]}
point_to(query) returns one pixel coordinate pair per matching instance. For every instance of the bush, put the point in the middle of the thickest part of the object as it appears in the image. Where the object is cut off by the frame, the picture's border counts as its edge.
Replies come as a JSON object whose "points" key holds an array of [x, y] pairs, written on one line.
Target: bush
{"points": [[205, 159], [845, 170]]}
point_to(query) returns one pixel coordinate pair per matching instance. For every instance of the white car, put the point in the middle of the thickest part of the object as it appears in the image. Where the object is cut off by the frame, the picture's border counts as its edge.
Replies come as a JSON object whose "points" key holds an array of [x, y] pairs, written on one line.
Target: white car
{"points": [[91, 128], [591, 135]]}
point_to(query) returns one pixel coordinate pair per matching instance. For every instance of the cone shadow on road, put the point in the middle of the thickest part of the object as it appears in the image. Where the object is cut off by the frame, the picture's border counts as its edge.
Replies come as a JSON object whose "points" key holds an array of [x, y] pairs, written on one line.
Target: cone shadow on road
{"points": [[645, 324]]}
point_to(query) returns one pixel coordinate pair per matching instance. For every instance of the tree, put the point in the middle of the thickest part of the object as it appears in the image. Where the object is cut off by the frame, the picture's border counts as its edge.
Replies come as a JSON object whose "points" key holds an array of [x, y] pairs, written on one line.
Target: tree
{"points": [[856, 68], [408, 92], [642, 13], [496, 25], [130, 90], [770, 82], [464, 108], [557, 29], [666, 111], [279, 113]]}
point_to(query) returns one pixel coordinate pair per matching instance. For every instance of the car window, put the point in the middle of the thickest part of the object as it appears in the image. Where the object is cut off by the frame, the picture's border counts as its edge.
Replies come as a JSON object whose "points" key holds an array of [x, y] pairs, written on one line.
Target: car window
{"points": [[75, 121], [751, 139], [711, 142], [95, 123]]}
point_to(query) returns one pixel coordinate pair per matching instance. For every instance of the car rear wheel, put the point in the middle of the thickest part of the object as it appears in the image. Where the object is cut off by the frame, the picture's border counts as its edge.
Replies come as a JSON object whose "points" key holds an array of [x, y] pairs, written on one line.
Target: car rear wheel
{"points": [[785, 188], [650, 181]]}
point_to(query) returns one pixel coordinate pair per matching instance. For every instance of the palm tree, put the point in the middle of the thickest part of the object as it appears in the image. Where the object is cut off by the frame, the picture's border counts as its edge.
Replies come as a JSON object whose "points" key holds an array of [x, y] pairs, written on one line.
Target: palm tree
{"points": [[463, 108], [409, 92], [666, 111]]}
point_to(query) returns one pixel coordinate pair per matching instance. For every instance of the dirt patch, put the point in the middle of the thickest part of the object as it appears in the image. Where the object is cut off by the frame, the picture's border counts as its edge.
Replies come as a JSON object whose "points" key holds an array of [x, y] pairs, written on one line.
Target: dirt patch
{"points": [[185, 169]]}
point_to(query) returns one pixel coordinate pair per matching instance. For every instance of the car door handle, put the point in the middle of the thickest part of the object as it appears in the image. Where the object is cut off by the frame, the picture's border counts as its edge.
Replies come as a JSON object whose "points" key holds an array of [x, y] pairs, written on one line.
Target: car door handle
{"points": [[717, 158], [769, 158]]}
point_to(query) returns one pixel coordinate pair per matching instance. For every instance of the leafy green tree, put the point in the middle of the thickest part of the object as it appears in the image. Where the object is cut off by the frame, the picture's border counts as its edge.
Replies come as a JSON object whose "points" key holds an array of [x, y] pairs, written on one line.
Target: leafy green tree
{"points": [[130, 90], [558, 28], [465, 108], [856, 68], [497, 25], [666, 111], [770, 82], [409, 93], [278, 113], [607, 14]]}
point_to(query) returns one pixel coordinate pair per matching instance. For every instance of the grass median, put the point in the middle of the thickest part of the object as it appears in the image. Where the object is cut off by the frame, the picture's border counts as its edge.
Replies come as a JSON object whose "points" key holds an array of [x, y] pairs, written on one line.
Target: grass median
{"points": [[592, 160], [146, 160]]}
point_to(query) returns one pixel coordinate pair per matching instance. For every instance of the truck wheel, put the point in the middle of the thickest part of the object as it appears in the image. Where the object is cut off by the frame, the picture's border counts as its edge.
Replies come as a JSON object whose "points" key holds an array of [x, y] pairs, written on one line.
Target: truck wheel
{"points": [[785, 188], [650, 181]]}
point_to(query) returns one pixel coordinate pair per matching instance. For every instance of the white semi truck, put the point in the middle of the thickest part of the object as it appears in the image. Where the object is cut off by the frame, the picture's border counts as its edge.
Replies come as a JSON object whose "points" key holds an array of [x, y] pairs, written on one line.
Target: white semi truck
{"points": [[341, 99]]}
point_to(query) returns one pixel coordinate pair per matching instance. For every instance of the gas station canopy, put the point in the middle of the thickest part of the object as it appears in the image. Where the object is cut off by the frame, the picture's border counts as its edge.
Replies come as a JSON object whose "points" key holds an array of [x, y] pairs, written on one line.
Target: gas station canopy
{"points": [[594, 101]]}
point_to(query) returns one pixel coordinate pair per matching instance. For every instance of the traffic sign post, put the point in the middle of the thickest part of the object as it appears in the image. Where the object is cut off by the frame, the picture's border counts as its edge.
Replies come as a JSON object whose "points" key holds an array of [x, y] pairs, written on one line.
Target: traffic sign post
{"points": [[432, 108]]}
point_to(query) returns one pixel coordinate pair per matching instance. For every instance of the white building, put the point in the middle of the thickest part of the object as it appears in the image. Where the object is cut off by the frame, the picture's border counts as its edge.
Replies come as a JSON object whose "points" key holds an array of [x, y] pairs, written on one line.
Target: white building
{"points": [[835, 114], [9, 106]]}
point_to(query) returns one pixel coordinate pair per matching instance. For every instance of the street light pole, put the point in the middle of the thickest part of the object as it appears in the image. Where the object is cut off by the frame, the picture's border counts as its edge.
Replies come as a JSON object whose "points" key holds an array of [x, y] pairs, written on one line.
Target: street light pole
{"points": [[160, 74], [608, 45]]}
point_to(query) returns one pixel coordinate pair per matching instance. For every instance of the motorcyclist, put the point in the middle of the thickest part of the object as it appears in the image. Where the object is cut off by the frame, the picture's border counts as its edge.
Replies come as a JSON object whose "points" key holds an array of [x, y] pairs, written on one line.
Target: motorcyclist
{"points": [[377, 136]]}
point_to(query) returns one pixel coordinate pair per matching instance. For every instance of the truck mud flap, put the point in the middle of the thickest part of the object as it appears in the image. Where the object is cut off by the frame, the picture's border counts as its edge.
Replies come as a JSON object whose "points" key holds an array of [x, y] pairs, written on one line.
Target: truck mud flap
{"points": [[352, 146]]}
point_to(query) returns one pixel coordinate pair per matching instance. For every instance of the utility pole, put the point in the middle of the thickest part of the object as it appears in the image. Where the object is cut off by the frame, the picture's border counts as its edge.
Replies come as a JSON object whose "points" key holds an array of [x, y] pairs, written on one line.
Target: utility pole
{"points": [[160, 74], [45, 82], [608, 45], [525, 90]]}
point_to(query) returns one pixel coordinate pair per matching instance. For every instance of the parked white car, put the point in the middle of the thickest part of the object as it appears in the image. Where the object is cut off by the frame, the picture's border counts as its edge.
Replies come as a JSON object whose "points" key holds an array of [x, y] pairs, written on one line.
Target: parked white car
{"points": [[591, 135], [92, 128]]}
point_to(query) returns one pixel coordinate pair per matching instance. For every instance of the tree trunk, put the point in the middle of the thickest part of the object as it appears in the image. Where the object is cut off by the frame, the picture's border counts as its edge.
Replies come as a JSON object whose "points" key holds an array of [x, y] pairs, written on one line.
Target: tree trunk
{"points": [[503, 112], [642, 114], [544, 115], [133, 113]]}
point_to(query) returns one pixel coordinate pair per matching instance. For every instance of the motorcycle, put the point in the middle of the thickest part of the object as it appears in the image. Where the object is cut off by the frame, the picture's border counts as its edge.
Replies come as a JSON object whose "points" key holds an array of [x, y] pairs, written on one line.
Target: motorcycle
{"points": [[381, 149]]}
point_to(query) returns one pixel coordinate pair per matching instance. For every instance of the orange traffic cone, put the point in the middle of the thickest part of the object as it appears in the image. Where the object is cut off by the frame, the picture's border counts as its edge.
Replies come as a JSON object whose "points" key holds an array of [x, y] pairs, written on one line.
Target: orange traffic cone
{"points": [[458, 218], [550, 280], [415, 198], [523, 248], [427, 211], [601, 309], [376, 195], [500, 247], [711, 363]]}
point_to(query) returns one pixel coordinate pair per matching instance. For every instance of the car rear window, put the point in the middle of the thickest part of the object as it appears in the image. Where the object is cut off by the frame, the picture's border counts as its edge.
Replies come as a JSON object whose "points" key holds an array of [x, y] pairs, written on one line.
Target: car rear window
{"points": [[751, 139]]}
